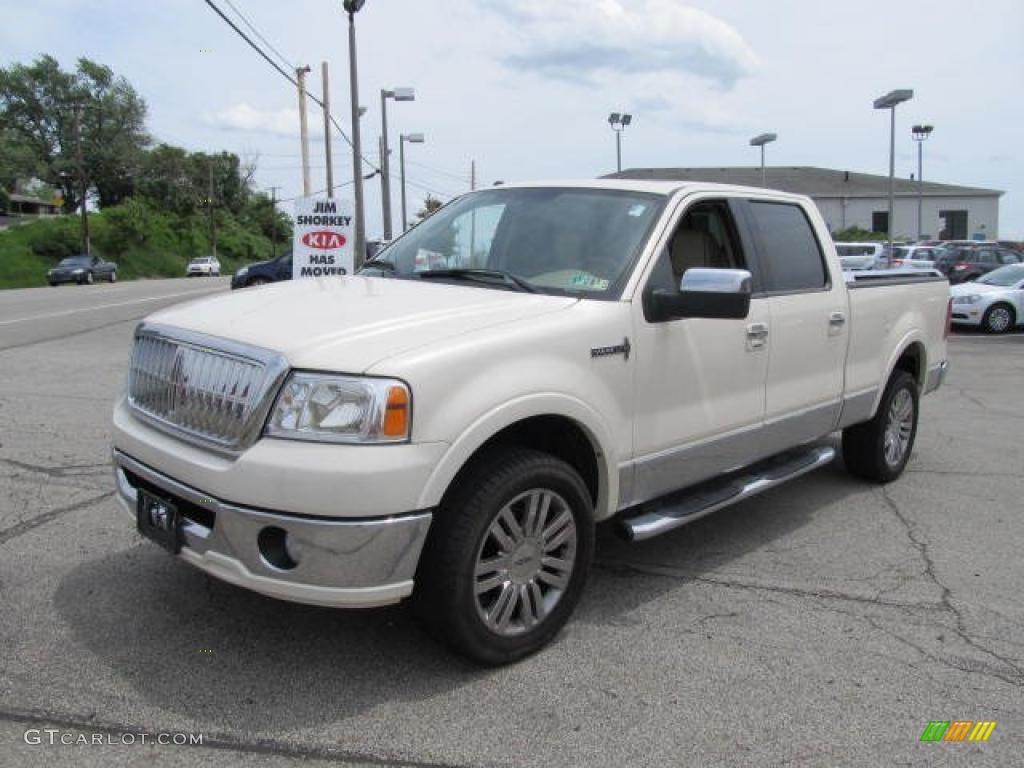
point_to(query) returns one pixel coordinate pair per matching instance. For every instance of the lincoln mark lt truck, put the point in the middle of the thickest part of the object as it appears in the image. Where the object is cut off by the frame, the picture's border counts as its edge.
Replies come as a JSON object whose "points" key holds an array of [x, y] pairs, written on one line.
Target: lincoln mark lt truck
{"points": [[449, 424]]}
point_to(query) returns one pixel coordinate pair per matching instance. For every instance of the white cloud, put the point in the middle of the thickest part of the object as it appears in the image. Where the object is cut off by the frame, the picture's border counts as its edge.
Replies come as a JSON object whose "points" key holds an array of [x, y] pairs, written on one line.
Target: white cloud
{"points": [[243, 117], [584, 40]]}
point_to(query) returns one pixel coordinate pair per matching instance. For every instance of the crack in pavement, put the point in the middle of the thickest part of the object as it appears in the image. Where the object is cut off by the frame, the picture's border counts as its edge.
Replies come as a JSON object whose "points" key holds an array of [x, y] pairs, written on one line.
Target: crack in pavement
{"points": [[946, 602], [25, 526], [222, 741], [59, 471]]}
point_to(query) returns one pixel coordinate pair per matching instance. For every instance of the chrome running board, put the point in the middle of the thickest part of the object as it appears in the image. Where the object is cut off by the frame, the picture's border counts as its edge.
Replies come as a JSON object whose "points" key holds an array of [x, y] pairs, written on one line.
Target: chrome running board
{"points": [[680, 508]]}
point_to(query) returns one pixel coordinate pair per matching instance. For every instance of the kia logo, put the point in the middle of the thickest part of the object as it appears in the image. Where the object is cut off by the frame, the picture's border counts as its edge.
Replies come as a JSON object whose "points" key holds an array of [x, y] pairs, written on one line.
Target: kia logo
{"points": [[323, 240]]}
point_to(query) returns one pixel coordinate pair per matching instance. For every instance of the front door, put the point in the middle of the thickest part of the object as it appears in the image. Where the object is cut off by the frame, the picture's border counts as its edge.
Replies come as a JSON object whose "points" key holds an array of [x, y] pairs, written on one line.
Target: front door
{"points": [[700, 382]]}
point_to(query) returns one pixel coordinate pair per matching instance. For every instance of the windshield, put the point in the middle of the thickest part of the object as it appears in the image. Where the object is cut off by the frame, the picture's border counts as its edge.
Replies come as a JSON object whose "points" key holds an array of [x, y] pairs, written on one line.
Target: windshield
{"points": [[75, 261], [1004, 276], [558, 240], [201, 260]]}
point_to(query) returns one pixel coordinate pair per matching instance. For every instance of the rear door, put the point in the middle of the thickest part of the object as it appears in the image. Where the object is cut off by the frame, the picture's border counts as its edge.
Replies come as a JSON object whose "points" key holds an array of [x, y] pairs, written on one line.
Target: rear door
{"points": [[808, 339]]}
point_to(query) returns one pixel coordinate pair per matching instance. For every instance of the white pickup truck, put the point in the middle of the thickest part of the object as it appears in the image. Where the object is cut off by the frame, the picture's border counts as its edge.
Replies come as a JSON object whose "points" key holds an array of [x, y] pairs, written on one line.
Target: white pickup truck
{"points": [[451, 423]]}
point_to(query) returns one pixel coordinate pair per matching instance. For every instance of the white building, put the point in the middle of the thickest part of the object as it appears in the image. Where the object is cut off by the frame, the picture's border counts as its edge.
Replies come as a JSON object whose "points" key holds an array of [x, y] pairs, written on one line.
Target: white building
{"points": [[847, 199]]}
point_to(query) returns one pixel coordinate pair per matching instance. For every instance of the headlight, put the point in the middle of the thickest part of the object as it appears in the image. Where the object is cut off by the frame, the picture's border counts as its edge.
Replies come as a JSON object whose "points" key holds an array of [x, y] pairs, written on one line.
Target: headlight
{"points": [[77, 271], [341, 409], [242, 271], [974, 298]]}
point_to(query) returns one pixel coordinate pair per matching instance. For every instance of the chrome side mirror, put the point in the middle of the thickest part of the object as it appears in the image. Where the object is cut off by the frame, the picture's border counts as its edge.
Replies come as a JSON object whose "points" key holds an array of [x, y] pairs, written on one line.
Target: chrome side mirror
{"points": [[710, 293]]}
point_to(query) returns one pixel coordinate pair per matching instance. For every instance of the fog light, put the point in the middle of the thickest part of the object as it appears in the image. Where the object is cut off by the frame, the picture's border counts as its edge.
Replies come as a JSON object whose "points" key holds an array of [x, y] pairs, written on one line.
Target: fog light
{"points": [[273, 545]]}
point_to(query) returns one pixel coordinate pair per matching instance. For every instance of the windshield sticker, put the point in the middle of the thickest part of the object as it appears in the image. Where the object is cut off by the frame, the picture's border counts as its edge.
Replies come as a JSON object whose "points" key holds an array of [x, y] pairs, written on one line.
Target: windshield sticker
{"points": [[588, 282], [427, 260], [637, 210]]}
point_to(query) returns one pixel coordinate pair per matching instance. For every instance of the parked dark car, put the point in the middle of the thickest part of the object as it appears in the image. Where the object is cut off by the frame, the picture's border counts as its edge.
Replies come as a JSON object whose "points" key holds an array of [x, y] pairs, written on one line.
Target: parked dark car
{"points": [[82, 269], [263, 272], [964, 263]]}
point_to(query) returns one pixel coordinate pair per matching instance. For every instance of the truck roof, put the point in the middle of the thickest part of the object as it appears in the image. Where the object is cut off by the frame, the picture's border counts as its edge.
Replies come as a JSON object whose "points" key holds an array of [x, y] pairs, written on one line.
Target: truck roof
{"points": [[658, 187]]}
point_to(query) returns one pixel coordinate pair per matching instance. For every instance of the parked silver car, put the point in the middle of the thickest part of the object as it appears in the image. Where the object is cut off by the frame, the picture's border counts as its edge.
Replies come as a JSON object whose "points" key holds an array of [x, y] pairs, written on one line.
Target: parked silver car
{"points": [[994, 301], [858, 256]]}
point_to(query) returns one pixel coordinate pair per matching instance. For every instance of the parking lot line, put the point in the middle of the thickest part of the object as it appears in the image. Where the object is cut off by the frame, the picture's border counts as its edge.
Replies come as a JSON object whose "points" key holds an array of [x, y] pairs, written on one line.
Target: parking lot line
{"points": [[106, 306]]}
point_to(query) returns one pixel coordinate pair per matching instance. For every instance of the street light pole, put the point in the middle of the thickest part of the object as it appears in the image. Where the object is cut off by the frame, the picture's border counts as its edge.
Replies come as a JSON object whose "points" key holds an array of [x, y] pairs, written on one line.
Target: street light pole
{"points": [[920, 133], [412, 138], [760, 141], [328, 155], [300, 79], [889, 101], [398, 94], [352, 7], [618, 122]]}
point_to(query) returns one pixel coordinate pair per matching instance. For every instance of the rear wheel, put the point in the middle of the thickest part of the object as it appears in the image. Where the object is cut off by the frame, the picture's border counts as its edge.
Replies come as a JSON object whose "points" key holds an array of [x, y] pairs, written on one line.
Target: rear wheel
{"points": [[507, 556], [999, 318], [879, 449]]}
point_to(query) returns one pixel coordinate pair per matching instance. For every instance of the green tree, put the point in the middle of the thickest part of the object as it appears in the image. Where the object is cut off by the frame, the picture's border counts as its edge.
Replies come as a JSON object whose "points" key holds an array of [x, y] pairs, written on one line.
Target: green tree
{"points": [[430, 204], [38, 105]]}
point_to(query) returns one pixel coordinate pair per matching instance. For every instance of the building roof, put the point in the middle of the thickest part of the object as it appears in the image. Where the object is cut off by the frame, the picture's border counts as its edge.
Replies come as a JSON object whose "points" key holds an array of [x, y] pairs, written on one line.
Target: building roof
{"points": [[808, 180], [18, 198]]}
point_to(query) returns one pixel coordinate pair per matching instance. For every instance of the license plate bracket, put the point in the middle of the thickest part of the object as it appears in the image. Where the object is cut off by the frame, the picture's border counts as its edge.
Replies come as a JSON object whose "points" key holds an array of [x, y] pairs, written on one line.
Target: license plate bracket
{"points": [[158, 519]]}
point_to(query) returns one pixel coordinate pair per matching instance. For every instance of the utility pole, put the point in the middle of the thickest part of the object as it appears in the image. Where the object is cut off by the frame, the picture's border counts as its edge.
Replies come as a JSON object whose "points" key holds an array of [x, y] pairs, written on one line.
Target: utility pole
{"points": [[472, 175], [85, 241], [273, 222], [472, 218], [300, 74], [213, 221], [359, 256], [327, 131]]}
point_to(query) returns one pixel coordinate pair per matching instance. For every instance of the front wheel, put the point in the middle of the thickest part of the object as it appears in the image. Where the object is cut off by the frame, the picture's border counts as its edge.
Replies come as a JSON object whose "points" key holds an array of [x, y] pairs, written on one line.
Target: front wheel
{"points": [[999, 318], [507, 556], [88, 279], [113, 277], [878, 450]]}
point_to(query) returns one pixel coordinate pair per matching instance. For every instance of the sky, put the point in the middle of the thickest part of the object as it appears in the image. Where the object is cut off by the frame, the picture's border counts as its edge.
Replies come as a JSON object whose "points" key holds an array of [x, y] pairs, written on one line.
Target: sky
{"points": [[524, 87]]}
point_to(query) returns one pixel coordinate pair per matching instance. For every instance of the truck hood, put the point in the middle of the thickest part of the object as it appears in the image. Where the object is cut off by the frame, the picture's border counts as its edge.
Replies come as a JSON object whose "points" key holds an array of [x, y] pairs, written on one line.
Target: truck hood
{"points": [[347, 324]]}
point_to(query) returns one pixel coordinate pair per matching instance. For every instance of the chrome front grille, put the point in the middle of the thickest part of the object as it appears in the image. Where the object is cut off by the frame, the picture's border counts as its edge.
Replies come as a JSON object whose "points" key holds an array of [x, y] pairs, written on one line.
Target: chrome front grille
{"points": [[206, 389]]}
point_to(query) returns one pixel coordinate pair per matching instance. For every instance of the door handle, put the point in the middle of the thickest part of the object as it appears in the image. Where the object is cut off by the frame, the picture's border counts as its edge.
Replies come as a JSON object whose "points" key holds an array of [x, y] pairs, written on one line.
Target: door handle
{"points": [[837, 319], [757, 335]]}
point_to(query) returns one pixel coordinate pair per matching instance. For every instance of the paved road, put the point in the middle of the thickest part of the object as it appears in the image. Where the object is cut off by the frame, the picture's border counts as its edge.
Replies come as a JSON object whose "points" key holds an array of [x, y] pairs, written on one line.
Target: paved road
{"points": [[822, 624]]}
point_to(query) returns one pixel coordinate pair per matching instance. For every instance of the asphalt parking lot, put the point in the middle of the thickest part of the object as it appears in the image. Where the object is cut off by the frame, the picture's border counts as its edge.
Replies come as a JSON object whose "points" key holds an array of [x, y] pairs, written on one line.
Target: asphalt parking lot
{"points": [[824, 623]]}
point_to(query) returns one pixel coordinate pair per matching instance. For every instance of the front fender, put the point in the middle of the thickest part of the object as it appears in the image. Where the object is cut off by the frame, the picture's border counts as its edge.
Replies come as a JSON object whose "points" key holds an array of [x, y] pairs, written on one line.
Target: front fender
{"points": [[508, 413]]}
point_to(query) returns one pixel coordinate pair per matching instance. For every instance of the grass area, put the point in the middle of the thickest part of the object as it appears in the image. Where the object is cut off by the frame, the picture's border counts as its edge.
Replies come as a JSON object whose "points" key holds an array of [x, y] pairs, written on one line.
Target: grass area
{"points": [[143, 242]]}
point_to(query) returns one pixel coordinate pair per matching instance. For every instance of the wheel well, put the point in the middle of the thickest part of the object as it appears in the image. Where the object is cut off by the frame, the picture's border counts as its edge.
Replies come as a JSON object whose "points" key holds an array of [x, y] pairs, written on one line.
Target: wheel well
{"points": [[912, 361], [557, 435]]}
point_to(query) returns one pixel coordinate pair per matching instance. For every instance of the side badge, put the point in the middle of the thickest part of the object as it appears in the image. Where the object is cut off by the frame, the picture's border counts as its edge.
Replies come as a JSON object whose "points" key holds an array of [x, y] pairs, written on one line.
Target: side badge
{"points": [[618, 349]]}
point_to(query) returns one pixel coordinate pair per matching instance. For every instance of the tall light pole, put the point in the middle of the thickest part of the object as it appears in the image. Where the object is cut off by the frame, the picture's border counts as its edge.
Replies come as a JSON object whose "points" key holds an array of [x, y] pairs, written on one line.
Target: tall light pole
{"points": [[352, 7], [300, 79], [618, 122], [889, 101], [412, 138], [760, 141], [920, 134], [328, 155], [398, 94]]}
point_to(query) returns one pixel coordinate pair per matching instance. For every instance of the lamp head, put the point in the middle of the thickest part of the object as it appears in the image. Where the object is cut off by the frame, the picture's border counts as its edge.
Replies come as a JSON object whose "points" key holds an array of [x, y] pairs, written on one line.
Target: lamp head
{"points": [[614, 118], [353, 6], [627, 119], [764, 138], [413, 138], [403, 94], [892, 98]]}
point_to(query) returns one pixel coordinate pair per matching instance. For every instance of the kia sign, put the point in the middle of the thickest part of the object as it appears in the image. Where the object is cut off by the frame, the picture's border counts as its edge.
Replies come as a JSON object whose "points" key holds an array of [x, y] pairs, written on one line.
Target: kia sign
{"points": [[322, 244]]}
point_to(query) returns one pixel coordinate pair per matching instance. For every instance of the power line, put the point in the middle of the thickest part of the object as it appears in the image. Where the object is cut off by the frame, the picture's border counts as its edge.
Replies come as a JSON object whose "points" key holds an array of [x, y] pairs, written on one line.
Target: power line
{"points": [[455, 176], [256, 32], [283, 74]]}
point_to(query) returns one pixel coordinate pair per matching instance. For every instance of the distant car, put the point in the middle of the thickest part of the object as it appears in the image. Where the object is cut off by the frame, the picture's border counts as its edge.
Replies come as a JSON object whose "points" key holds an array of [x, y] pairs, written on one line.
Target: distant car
{"points": [[263, 272], [203, 265], [962, 264], [905, 256], [82, 269], [857, 256], [995, 301]]}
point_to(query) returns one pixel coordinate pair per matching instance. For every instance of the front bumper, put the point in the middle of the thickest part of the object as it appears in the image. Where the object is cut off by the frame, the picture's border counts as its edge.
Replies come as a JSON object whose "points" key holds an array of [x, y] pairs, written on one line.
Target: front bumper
{"points": [[332, 562], [968, 314]]}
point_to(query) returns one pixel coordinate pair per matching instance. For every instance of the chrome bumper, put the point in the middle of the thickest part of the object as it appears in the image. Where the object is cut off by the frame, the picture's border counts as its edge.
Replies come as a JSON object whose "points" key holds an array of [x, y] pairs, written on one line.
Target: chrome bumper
{"points": [[936, 375], [331, 562]]}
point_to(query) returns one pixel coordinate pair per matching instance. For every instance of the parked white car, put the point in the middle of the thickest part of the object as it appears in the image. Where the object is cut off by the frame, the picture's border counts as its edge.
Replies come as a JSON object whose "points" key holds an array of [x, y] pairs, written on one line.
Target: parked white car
{"points": [[858, 256], [451, 423], [203, 265], [908, 257], [995, 301]]}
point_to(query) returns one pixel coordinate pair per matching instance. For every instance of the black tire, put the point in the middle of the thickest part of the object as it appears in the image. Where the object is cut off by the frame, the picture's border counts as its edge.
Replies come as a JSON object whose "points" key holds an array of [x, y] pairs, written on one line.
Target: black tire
{"points": [[113, 277], [258, 281], [865, 445], [999, 318], [446, 599], [88, 279]]}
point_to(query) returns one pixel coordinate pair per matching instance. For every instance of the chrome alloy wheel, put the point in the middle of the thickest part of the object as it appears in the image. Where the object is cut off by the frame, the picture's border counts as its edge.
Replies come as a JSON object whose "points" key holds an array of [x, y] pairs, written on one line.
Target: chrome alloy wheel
{"points": [[999, 319], [898, 427], [525, 562]]}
